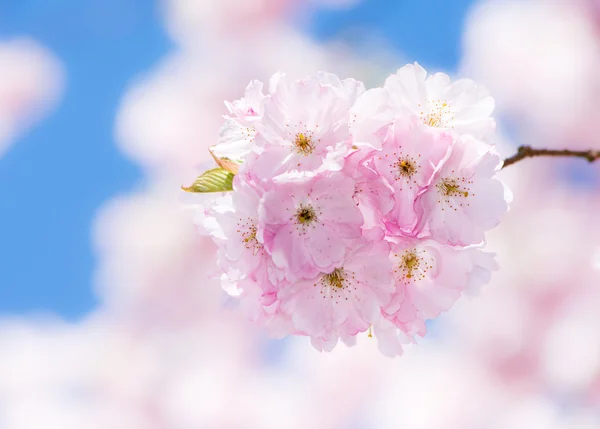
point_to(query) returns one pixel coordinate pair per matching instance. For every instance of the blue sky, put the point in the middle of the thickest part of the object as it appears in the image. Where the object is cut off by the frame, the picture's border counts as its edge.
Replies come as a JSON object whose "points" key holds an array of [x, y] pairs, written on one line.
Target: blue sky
{"points": [[60, 172]]}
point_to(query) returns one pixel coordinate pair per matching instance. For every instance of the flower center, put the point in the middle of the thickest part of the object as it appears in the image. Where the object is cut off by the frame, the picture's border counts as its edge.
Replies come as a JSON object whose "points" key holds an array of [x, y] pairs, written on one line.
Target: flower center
{"points": [[406, 167], [306, 215], [411, 266], [304, 144], [402, 168], [337, 285], [248, 234], [450, 188], [335, 279], [438, 114], [410, 262]]}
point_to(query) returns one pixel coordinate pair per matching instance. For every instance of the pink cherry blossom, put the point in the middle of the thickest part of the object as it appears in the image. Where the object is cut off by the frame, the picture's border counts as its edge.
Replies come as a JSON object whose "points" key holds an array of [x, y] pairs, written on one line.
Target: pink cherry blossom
{"points": [[305, 126], [351, 212], [237, 219], [304, 223], [462, 106], [235, 140], [410, 156], [464, 200], [433, 276], [429, 278], [392, 337], [236, 136], [258, 300], [372, 112], [372, 195], [250, 107], [344, 301]]}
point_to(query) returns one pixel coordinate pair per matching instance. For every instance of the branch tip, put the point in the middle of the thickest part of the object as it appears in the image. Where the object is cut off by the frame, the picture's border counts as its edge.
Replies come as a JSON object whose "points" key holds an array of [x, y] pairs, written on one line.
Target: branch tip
{"points": [[529, 152]]}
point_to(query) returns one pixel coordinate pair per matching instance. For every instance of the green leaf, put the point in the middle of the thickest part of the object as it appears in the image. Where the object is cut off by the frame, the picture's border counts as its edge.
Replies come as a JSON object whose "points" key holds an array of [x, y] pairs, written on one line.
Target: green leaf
{"points": [[215, 180]]}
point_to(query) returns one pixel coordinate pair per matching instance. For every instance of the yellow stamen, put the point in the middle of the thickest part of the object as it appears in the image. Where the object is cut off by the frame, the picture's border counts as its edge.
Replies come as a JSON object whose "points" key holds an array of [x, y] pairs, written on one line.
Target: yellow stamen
{"points": [[335, 278], [304, 144], [406, 168], [410, 262], [450, 188], [438, 114], [305, 215]]}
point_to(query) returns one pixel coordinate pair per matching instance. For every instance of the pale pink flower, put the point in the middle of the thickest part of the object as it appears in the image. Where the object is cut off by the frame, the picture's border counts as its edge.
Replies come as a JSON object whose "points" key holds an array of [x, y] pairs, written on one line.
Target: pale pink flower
{"points": [[372, 112], [464, 199], [234, 227], [305, 125], [462, 106], [304, 223], [328, 344], [391, 338], [237, 219], [411, 154], [236, 140], [259, 302], [250, 107], [372, 195], [429, 278], [236, 136], [344, 301]]}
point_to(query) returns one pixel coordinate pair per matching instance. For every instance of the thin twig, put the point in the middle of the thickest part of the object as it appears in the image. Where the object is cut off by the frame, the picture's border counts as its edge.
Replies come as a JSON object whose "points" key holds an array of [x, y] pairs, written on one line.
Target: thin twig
{"points": [[529, 152]]}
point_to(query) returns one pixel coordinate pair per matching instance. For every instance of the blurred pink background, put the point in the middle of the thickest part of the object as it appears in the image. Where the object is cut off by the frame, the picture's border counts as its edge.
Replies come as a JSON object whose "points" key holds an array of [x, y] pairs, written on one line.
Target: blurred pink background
{"points": [[166, 349]]}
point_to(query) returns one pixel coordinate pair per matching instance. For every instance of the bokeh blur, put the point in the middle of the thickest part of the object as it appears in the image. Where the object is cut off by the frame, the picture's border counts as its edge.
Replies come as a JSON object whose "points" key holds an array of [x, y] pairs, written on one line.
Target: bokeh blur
{"points": [[109, 317]]}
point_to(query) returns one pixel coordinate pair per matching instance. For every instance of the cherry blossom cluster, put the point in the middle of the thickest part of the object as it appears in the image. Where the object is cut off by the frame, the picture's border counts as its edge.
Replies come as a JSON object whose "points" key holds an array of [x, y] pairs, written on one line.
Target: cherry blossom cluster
{"points": [[355, 211]]}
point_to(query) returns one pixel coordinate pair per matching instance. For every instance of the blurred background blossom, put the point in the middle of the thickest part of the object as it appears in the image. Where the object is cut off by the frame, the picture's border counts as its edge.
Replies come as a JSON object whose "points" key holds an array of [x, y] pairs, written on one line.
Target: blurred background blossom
{"points": [[31, 83], [110, 317]]}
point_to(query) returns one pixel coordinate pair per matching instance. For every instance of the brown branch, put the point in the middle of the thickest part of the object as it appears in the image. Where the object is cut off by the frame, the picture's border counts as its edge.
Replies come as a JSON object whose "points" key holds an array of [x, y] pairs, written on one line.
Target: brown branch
{"points": [[529, 152]]}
